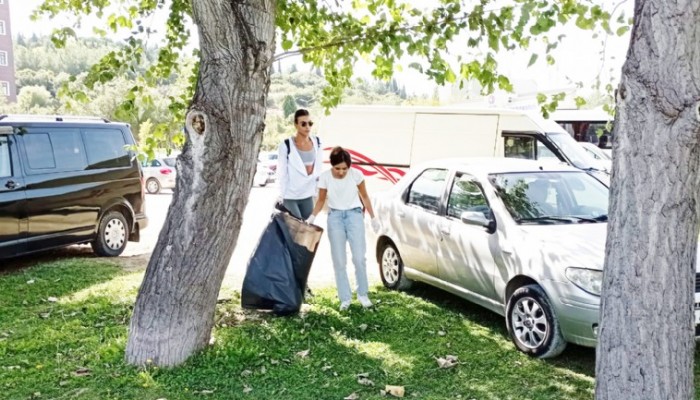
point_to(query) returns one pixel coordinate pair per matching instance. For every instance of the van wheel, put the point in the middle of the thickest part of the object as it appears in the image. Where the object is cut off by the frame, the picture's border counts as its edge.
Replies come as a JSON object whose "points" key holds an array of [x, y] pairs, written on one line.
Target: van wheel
{"points": [[391, 268], [153, 186], [532, 324], [112, 235]]}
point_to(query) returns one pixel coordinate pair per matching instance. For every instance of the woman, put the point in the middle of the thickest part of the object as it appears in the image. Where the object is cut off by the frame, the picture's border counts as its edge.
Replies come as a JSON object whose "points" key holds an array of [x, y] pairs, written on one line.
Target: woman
{"points": [[299, 163], [345, 190]]}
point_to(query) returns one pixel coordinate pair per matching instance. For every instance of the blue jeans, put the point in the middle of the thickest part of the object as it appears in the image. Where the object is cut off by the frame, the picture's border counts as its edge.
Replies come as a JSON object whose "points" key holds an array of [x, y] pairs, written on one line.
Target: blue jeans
{"points": [[347, 226]]}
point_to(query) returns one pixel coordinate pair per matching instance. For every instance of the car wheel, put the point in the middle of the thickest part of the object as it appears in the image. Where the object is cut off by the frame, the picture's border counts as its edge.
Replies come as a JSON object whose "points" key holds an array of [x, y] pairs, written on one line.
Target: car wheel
{"points": [[532, 324], [153, 186], [391, 268], [112, 235]]}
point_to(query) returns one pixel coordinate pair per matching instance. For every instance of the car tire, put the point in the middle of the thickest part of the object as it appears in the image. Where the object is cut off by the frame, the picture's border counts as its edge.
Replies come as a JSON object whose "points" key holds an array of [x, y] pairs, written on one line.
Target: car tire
{"points": [[391, 268], [152, 186], [532, 324], [112, 235]]}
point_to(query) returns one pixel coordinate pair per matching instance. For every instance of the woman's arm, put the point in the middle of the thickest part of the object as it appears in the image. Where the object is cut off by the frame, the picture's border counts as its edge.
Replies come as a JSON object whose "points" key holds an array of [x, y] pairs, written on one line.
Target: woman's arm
{"points": [[365, 198], [320, 202], [282, 168]]}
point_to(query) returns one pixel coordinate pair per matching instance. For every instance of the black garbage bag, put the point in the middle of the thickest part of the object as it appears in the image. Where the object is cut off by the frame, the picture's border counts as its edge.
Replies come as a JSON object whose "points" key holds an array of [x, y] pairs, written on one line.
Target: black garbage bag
{"points": [[277, 272]]}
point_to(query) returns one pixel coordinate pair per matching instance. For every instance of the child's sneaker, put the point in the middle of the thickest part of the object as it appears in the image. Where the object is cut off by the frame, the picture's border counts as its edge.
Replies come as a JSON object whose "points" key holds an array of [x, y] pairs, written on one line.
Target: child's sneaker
{"points": [[365, 301], [344, 305]]}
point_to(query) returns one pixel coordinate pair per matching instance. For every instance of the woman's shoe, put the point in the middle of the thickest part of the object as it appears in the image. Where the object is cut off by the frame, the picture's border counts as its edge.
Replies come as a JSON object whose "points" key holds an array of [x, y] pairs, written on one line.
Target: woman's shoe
{"points": [[344, 305], [365, 301]]}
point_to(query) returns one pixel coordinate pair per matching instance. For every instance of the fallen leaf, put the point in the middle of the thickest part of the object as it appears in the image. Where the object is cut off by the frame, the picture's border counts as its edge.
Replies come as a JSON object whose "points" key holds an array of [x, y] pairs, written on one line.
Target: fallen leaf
{"points": [[246, 373], [247, 389], [263, 370], [396, 391], [205, 391], [364, 381], [447, 362], [274, 362], [303, 354], [441, 333], [363, 327], [81, 372], [45, 315], [326, 367], [30, 282], [353, 396], [52, 299]]}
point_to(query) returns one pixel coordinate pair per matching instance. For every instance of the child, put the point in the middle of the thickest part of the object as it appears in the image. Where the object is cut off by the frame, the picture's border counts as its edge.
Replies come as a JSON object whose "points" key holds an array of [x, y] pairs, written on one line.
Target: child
{"points": [[345, 190]]}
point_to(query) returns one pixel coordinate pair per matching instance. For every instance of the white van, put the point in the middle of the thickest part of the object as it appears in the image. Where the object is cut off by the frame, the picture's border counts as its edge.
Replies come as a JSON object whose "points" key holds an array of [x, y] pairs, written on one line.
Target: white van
{"points": [[385, 141]]}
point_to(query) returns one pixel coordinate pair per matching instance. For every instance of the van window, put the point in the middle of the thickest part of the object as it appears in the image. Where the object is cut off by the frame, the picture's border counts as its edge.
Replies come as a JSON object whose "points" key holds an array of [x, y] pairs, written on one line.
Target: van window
{"points": [[520, 147], [5, 165], [39, 151], [466, 195], [106, 148], [59, 150], [427, 189]]}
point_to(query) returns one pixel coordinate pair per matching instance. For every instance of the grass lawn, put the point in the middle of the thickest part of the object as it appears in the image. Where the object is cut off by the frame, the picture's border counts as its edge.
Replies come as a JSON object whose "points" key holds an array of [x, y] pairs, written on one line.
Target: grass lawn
{"points": [[63, 329]]}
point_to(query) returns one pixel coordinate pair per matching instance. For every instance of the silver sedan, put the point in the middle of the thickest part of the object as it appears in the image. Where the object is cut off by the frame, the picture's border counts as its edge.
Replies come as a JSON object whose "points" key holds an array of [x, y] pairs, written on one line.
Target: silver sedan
{"points": [[522, 239]]}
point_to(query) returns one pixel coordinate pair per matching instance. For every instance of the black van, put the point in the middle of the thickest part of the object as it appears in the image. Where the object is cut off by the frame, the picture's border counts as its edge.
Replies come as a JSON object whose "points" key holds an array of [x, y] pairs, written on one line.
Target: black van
{"points": [[68, 180]]}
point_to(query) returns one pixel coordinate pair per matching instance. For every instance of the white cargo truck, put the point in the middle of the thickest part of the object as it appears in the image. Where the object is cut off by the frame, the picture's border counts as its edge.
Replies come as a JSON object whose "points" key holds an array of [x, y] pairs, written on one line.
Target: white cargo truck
{"points": [[385, 141]]}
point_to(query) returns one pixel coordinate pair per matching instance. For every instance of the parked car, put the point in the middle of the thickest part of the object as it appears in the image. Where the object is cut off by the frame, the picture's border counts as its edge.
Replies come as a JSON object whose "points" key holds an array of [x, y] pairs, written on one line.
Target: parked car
{"points": [[68, 180], [263, 175], [522, 238], [602, 156], [160, 173], [269, 160]]}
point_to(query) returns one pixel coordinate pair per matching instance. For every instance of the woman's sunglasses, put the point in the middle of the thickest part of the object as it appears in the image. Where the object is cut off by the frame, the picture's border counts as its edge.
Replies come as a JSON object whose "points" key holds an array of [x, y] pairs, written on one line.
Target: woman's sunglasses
{"points": [[303, 124]]}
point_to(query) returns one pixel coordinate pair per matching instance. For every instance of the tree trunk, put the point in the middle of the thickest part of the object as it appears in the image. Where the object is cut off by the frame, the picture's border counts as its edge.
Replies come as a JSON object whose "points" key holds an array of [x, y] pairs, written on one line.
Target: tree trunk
{"points": [[174, 312], [646, 344]]}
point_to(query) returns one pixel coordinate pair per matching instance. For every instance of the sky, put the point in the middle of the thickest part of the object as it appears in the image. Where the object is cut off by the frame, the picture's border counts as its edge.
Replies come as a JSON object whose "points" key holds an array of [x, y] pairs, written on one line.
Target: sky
{"points": [[578, 57]]}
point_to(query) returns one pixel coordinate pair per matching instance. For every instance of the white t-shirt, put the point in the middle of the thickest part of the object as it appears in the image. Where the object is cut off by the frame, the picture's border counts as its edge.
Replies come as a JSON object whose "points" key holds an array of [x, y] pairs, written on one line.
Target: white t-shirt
{"points": [[342, 194]]}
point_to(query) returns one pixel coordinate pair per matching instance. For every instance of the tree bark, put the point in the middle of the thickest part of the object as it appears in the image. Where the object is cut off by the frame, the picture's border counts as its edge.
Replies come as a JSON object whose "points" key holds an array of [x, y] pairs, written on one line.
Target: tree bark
{"points": [[646, 344], [174, 312]]}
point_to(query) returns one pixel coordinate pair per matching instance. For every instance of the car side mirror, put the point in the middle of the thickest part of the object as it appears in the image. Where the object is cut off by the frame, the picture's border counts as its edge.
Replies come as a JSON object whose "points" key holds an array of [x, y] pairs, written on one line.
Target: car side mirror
{"points": [[477, 218]]}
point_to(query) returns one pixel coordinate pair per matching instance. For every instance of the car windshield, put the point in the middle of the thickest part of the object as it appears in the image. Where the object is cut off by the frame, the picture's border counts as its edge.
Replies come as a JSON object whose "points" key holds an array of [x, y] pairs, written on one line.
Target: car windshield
{"points": [[170, 161], [595, 151], [552, 197], [578, 157]]}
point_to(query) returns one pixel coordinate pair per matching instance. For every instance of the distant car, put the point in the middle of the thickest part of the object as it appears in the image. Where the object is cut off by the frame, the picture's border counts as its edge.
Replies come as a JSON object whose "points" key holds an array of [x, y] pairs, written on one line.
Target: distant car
{"points": [[263, 175], [269, 160], [159, 173], [522, 238], [602, 156]]}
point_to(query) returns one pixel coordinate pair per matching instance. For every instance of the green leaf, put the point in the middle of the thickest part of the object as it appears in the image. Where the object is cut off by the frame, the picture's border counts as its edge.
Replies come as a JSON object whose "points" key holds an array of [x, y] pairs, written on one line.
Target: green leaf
{"points": [[622, 30], [533, 59], [287, 44]]}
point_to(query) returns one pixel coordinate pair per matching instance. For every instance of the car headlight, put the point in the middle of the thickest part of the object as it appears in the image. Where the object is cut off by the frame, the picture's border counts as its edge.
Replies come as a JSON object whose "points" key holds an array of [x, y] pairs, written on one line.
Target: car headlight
{"points": [[590, 280]]}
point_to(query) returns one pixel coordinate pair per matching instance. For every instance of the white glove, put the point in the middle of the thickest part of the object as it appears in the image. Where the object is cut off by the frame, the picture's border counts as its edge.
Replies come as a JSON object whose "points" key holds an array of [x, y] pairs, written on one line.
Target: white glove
{"points": [[311, 219], [375, 224]]}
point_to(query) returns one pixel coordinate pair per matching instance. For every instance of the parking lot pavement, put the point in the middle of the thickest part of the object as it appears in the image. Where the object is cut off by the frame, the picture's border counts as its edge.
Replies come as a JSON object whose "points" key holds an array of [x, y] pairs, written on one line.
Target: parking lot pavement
{"points": [[255, 219]]}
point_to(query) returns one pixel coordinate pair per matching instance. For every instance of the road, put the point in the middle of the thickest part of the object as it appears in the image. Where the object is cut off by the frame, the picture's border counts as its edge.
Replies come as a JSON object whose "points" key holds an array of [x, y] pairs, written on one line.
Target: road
{"points": [[255, 219]]}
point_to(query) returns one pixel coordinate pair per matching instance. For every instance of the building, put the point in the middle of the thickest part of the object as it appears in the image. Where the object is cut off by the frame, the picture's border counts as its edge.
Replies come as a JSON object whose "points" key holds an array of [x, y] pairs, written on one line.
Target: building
{"points": [[7, 60]]}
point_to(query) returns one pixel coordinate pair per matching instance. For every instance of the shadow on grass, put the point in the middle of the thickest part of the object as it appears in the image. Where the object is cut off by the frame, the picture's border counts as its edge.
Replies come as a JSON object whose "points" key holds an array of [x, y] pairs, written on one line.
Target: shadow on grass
{"points": [[15, 264], [577, 358], [77, 350]]}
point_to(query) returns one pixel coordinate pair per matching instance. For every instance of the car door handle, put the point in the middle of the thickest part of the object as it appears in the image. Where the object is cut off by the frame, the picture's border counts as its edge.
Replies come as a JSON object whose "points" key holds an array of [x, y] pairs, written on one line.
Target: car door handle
{"points": [[12, 185], [445, 230]]}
